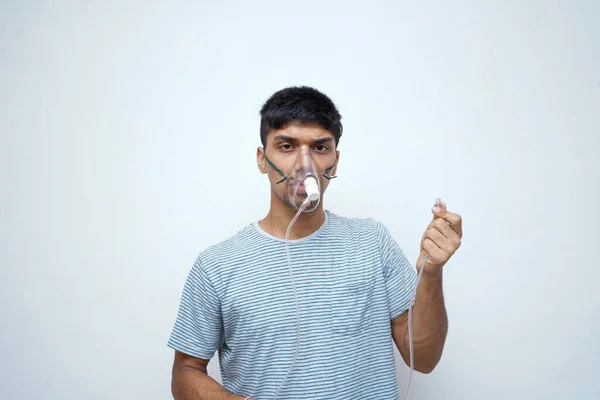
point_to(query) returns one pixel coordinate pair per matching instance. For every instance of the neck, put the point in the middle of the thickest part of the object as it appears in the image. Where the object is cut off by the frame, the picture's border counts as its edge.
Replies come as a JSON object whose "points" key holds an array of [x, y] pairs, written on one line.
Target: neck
{"points": [[280, 215]]}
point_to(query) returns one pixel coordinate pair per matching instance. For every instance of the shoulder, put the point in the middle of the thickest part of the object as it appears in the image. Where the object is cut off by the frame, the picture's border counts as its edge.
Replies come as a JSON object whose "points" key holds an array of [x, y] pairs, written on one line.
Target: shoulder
{"points": [[226, 250], [365, 225]]}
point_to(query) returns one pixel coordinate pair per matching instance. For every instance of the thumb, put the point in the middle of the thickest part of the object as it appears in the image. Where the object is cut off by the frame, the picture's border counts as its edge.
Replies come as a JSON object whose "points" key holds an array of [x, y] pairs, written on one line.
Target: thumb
{"points": [[439, 209]]}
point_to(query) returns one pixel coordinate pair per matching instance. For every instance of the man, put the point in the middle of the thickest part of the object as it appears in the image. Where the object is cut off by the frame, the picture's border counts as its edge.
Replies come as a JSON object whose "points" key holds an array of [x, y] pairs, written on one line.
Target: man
{"points": [[352, 282]]}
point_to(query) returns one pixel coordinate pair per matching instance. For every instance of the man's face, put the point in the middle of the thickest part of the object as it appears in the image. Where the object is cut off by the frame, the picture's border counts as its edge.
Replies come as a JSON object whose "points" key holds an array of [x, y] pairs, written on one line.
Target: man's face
{"points": [[283, 148]]}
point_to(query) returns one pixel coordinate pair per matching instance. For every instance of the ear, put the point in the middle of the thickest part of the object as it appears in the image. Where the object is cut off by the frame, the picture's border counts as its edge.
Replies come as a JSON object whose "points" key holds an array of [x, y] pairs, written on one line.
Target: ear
{"points": [[261, 161]]}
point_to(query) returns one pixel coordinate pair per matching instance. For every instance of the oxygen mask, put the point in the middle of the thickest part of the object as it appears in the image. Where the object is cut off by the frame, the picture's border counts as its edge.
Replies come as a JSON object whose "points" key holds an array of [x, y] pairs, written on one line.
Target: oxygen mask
{"points": [[303, 185]]}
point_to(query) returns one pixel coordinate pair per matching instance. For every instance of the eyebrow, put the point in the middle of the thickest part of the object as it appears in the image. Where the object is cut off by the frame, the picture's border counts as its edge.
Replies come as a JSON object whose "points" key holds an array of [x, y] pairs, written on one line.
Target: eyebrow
{"points": [[284, 138], [325, 139]]}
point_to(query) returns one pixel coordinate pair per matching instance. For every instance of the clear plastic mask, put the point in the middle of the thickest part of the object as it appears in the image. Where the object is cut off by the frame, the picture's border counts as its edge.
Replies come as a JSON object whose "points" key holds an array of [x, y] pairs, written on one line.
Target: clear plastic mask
{"points": [[303, 185]]}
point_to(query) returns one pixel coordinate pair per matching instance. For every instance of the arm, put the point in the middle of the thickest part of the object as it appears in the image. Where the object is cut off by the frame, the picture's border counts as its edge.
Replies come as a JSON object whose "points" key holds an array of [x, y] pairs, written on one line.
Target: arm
{"points": [[430, 325], [197, 334], [190, 381], [430, 320]]}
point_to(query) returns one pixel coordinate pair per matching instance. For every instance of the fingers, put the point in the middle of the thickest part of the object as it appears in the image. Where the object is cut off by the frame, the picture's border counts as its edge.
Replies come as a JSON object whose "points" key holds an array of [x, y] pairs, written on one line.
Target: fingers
{"points": [[444, 229], [433, 234], [448, 244], [442, 226], [435, 254], [443, 235], [454, 220], [452, 240]]}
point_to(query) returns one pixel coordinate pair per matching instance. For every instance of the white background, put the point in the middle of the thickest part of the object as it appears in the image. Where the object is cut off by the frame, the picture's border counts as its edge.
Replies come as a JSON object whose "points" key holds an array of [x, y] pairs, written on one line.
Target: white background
{"points": [[128, 137]]}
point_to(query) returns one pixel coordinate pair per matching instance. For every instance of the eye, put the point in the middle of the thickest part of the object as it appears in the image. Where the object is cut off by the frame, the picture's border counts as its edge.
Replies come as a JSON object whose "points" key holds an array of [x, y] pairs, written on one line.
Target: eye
{"points": [[321, 148], [285, 146]]}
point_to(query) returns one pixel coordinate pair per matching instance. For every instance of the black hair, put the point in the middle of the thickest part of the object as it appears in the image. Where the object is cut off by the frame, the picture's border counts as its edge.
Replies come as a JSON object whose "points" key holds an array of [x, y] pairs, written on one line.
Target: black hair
{"points": [[299, 104]]}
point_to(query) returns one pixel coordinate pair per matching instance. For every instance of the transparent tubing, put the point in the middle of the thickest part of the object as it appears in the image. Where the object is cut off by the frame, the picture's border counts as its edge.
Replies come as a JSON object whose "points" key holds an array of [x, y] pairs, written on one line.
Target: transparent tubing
{"points": [[438, 202], [410, 307], [287, 252]]}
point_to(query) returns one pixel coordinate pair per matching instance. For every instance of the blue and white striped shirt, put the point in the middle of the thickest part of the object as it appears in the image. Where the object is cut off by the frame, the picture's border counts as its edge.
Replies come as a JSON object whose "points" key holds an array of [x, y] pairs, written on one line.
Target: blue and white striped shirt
{"points": [[351, 279]]}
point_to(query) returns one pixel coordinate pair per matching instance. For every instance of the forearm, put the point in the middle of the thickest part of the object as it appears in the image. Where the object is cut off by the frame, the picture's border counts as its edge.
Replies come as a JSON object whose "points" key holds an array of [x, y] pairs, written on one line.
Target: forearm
{"points": [[430, 323], [193, 384]]}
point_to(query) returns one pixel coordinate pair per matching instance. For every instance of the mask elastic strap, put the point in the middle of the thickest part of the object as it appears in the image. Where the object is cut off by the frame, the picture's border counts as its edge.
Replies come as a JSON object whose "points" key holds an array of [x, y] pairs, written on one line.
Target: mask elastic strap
{"points": [[327, 170], [277, 170], [328, 177]]}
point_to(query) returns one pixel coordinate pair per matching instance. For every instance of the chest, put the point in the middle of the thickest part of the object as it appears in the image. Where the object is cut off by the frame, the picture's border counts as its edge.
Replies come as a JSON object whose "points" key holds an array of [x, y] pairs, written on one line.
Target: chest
{"points": [[332, 288]]}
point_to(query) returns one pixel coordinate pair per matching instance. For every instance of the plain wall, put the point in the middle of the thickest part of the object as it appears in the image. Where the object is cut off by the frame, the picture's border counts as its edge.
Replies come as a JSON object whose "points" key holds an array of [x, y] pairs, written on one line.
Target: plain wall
{"points": [[128, 140]]}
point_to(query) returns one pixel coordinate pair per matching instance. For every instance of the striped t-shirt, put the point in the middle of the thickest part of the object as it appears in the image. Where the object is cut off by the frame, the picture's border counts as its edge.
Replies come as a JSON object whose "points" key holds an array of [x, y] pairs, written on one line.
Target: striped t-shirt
{"points": [[351, 279]]}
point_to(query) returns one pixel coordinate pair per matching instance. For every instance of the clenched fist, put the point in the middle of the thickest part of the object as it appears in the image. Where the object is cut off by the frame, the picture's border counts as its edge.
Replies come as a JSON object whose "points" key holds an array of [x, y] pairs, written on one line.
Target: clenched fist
{"points": [[441, 239]]}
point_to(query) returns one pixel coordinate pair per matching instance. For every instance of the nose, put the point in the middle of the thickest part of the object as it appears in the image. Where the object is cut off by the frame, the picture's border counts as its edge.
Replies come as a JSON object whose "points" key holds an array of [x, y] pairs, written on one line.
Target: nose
{"points": [[304, 149]]}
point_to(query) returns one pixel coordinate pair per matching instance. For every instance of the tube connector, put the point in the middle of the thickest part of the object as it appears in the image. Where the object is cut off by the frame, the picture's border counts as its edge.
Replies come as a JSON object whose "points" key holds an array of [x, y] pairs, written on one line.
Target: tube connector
{"points": [[311, 186]]}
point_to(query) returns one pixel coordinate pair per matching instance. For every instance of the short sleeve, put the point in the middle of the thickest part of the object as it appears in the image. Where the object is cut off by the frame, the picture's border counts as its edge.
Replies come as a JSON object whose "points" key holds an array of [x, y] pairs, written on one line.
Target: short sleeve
{"points": [[399, 275], [198, 329]]}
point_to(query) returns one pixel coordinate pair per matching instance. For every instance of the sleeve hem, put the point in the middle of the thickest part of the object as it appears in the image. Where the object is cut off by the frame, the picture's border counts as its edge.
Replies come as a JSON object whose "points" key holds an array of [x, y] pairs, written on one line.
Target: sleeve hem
{"points": [[189, 352]]}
